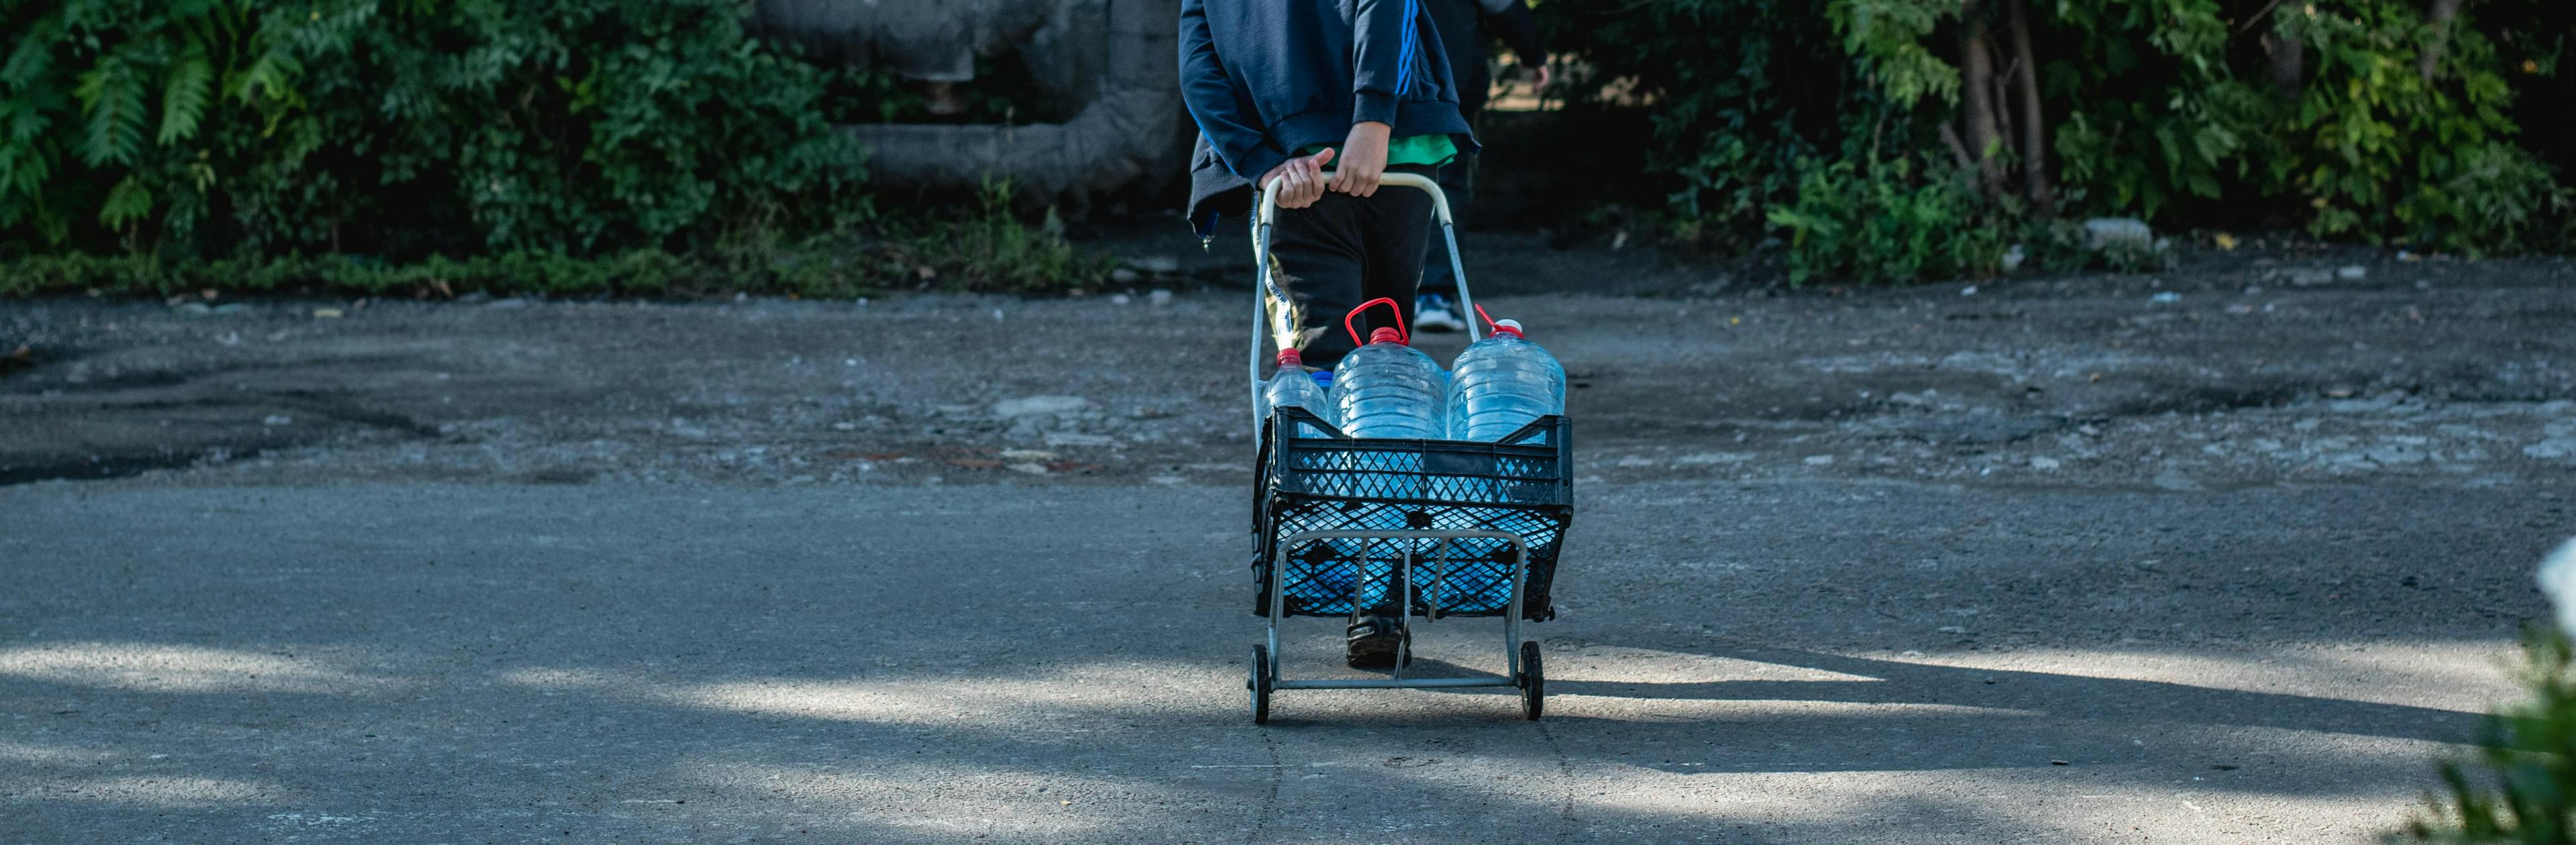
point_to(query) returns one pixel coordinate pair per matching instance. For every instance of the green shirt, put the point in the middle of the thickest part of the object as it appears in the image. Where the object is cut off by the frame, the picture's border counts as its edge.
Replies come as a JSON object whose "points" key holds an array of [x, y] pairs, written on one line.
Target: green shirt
{"points": [[1425, 150]]}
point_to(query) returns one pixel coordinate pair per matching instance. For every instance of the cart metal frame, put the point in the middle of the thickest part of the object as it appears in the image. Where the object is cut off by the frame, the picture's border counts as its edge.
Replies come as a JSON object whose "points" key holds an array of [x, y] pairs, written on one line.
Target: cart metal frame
{"points": [[1268, 213], [1521, 657]]}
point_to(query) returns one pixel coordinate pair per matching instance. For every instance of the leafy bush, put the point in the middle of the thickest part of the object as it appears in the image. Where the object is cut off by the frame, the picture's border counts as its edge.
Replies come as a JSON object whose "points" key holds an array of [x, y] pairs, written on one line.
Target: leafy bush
{"points": [[640, 272], [991, 250], [1881, 221], [1739, 92], [408, 127], [2368, 119], [2391, 153]]}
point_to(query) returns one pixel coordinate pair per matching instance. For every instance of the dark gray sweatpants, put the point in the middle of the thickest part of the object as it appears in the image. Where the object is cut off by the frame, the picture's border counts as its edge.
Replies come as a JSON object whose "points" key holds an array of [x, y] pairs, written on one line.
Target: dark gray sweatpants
{"points": [[1345, 250]]}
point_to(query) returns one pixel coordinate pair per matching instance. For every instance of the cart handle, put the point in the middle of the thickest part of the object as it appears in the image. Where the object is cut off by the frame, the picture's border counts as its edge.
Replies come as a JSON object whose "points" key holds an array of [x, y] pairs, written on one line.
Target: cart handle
{"points": [[1439, 201], [1268, 212]]}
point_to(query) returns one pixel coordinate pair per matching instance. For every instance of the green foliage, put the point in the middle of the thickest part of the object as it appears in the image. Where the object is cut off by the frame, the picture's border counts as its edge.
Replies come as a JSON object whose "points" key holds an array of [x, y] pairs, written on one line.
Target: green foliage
{"points": [[639, 272], [1883, 222], [2154, 117], [1886, 36], [2520, 787], [990, 250], [409, 127], [84, 143], [2162, 109], [1733, 113], [2490, 198], [2383, 154], [994, 251]]}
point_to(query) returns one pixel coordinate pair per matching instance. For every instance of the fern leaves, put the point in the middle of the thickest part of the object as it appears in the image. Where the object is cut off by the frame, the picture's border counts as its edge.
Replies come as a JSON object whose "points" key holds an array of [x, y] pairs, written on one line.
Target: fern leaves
{"points": [[270, 76], [127, 202], [179, 126], [184, 97], [112, 95], [117, 107]]}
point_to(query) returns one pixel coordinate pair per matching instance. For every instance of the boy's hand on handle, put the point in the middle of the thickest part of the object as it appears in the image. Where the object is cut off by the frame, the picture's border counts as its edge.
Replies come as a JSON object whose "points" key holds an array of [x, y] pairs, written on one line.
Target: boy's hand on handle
{"points": [[1302, 179], [1363, 159]]}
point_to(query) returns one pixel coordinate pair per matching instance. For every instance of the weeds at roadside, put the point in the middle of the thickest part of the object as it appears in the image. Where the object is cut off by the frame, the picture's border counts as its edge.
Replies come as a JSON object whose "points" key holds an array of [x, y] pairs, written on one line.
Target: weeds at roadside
{"points": [[987, 250]]}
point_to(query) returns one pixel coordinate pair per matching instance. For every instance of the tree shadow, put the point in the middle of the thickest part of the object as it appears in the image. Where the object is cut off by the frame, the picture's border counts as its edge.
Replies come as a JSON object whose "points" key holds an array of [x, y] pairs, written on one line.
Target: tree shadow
{"points": [[574, 664], [2053, 694]]}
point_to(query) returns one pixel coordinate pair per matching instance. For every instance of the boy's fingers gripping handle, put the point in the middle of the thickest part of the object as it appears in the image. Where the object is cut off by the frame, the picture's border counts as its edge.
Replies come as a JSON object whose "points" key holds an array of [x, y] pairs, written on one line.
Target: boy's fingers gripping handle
{"points": [[1268, 209], [1402, 336]]}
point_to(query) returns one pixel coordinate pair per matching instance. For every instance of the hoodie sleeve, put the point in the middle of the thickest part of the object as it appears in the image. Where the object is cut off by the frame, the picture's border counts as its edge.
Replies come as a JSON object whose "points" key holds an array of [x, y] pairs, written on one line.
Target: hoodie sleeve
{"points": [[1213, 103], [1384, 44]]}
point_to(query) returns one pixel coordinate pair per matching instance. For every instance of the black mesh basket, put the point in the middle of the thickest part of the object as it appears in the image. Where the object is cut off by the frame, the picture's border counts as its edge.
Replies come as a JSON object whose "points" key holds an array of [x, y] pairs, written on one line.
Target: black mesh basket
{"points": [[1523, 484]]}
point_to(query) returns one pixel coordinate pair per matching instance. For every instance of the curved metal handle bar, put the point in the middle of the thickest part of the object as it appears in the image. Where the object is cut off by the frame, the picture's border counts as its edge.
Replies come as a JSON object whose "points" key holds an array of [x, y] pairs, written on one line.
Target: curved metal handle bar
{"points": [[1439, 201], [1268, 213]]}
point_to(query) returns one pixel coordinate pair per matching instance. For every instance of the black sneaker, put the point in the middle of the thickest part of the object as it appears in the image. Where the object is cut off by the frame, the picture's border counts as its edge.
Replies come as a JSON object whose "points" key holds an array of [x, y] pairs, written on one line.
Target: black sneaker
{"points": [[1374, 643]]}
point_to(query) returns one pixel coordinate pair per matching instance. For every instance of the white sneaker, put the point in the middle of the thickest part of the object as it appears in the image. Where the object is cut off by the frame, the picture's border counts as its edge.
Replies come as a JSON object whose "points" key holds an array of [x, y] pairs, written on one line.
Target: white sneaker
{"points": [[1433, 313]]}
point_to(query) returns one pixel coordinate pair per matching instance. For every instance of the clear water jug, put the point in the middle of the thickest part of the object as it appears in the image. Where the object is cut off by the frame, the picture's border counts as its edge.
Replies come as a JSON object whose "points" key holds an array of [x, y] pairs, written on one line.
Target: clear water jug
{"points": [[1294, 387], [1502, 383], [1386, 388]]}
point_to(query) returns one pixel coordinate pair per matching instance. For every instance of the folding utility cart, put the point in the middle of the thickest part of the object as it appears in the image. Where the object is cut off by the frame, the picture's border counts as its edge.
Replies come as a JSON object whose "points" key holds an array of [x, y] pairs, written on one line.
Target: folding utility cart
{"points": [[1351, 527]]}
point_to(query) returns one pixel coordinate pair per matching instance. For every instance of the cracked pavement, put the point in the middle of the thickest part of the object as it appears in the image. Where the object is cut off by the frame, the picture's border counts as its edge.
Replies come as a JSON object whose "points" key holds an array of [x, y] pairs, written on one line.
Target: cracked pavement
{"points": [[2227, 553]]}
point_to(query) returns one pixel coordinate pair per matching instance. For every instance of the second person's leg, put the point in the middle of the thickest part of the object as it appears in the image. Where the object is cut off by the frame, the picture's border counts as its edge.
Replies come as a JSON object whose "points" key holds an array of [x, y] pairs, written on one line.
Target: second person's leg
{"points": [[1438, 308]]}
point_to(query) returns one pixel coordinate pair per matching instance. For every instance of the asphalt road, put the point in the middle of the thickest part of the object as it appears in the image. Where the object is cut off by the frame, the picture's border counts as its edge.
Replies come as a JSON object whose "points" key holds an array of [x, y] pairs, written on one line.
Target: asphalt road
{"points": [[2072, 560], [1793, 661]]}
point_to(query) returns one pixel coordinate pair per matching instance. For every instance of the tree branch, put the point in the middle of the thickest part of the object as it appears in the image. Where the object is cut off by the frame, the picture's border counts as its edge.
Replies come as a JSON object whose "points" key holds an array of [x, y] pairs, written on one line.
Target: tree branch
{"points": [[2256, 18], [1958, 150]]}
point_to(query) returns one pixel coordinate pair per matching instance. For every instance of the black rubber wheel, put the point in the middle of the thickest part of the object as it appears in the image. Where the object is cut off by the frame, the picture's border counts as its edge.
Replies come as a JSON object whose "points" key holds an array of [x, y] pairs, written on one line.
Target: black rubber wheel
{"points": [[1259, 685], [1533, 682]]}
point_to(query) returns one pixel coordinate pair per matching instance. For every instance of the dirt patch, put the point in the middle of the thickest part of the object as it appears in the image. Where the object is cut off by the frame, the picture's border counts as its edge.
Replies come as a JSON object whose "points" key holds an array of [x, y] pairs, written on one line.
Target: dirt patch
{"points": [[2212, 375]]}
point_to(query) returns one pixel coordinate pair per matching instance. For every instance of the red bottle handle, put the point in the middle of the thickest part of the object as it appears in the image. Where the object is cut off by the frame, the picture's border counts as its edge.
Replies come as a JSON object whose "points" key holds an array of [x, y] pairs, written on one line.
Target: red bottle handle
{"points": [[1490, 325], [1402, 336]]}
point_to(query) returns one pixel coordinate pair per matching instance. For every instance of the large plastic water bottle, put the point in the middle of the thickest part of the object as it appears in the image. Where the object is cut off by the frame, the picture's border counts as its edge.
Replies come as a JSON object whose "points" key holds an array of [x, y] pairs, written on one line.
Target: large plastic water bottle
{"points": [[1388, 389], [1502, 383], [1294, 387]]}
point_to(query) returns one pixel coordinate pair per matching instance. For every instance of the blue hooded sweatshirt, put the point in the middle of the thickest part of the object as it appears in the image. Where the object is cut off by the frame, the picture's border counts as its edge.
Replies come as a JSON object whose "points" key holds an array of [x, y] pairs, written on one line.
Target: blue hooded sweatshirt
{"points": [[1264, 78]]}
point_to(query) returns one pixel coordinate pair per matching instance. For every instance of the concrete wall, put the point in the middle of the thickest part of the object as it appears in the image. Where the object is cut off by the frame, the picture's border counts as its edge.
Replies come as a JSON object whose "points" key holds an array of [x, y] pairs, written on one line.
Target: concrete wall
{"points": [[1109, 66]]}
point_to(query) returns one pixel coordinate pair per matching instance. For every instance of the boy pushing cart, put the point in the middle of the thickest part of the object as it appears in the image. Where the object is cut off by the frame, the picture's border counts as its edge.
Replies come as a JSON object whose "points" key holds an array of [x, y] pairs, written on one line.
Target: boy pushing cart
{"points": [[1378, 530]]}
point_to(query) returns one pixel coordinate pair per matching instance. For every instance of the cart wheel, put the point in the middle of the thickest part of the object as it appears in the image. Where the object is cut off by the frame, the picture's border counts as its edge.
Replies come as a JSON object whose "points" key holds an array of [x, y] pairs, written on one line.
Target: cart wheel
{"points": [[1533, 682], [1259, 684]]}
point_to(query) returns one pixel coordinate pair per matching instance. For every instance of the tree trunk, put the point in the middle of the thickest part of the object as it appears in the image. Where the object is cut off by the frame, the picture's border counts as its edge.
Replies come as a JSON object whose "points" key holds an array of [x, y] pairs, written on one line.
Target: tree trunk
{"points": [[2002, 98], [1977, 98], [2438, 19], [2289, 59], [2034, 131]]}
